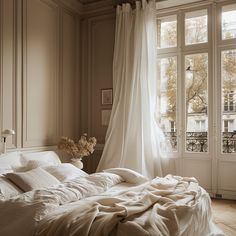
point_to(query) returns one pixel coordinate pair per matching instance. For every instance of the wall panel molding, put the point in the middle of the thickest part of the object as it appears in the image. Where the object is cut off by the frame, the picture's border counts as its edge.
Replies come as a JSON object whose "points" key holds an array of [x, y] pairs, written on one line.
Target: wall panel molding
{"points": [[68, 73], [77, 77], [40, 73], [8, 68], [19, 93], [1, 66], [96, 56], [100, 39], [38, 37]]}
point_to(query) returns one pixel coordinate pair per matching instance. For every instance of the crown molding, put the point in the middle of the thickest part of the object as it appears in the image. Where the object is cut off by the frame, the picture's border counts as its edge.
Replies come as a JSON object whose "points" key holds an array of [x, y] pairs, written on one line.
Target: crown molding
{"points": [[88, 8], [100, 6], [73, 5], [109, 5]]}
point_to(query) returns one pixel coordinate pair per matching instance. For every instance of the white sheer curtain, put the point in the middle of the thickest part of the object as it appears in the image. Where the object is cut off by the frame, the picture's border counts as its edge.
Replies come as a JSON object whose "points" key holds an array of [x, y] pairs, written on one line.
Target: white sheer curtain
{"points": [[133, 137]]}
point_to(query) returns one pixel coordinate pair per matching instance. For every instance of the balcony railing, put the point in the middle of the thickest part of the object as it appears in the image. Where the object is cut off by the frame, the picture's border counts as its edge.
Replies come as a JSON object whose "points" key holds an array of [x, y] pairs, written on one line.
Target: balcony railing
{"points": [[197, 141], [229, 142]]}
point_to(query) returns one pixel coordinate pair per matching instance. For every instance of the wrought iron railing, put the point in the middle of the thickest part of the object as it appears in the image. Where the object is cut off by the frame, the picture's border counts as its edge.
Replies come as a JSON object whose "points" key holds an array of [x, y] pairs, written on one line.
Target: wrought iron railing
{"points": [[229, 142], [198, 141]]}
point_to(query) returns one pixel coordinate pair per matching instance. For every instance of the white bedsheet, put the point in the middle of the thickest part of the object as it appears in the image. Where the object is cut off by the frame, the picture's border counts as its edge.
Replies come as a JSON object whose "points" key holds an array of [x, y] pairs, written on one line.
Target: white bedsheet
{"points": [[106, 204]]}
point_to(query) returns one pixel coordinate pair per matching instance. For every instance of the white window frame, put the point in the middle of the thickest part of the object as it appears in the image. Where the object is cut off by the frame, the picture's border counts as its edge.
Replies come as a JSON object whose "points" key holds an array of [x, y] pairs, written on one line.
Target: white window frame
{"points": [[213, 47], [221, 45], [181, 51]]}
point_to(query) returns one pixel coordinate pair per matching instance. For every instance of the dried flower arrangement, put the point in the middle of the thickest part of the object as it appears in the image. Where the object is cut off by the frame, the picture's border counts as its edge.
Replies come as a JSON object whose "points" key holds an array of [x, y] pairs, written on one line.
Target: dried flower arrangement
{"points": [[78, 150]]}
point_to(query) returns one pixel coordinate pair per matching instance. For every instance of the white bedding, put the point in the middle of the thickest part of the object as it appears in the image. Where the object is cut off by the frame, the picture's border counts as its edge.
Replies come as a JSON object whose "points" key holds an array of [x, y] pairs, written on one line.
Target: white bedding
{"points": [[108, 204]]}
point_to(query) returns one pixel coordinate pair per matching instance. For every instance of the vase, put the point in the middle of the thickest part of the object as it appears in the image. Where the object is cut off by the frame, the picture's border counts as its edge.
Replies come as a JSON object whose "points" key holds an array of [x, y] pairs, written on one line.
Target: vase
{"points": [[77, 163]]}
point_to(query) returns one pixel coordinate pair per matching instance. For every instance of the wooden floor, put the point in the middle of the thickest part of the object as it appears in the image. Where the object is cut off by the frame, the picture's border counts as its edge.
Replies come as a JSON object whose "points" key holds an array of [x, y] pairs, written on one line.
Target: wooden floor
{"points": [[224, 215]]}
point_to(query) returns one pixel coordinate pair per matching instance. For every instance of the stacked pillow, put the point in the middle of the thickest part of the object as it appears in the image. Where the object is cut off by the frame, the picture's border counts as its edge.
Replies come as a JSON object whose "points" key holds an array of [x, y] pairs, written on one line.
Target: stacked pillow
{"points": [[33, 171], [43, 176], [65, 171], [32, 179], [62, 171]]}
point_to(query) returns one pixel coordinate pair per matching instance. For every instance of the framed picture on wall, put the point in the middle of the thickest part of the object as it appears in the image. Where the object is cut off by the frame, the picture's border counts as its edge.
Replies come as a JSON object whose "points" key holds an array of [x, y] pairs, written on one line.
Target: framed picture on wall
{"points": [[106, 114], [107, 96]]}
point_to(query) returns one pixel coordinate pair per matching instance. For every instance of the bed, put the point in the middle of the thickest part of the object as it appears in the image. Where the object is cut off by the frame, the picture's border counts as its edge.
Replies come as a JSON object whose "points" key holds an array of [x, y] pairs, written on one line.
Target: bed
{"points": [[39, 195]]}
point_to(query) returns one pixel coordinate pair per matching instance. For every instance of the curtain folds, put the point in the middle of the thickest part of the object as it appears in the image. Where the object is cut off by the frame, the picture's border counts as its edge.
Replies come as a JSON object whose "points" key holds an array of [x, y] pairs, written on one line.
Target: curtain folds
{"points": [[133, 138]]}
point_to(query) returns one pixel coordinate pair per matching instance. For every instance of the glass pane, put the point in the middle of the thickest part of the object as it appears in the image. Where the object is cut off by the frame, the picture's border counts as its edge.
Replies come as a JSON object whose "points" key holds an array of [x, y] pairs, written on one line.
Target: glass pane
{"points": [[167, 32], [196, 27], [196, 100], [228, 97], [167, 95], [229, 21]]}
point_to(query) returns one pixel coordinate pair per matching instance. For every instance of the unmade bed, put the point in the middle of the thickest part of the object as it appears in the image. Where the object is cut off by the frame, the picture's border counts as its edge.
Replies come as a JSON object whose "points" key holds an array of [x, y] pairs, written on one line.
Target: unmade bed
{"points": [[42, 196]]}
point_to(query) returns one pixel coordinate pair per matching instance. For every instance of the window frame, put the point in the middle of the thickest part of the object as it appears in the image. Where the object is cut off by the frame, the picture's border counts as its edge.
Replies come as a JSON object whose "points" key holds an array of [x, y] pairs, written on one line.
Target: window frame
{"points": [[220, 46], [213, 47], [220, 41], [181, 51], [198, 45], [166, 55], [170, 49]]}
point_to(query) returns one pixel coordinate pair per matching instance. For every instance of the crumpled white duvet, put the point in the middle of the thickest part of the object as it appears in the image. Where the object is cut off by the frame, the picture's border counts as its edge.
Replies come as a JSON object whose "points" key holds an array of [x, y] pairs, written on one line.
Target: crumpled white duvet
{"points": [[84, 206]]}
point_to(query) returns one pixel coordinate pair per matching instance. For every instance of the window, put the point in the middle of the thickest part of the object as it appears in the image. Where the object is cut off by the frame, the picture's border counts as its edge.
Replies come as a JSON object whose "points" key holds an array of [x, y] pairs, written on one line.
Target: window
{"points": [[229, 103], [228, 126], [228, 98], [196, 27], [172, 126], [228, 23], [194, 78], [197, 72], [167, 29], [167, 95], [200, 125], [196, 93]]}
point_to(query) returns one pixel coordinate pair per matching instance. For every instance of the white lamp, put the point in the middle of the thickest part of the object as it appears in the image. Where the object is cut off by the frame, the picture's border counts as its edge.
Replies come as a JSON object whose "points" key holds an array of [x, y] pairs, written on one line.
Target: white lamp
{"points": [[5, 134]]}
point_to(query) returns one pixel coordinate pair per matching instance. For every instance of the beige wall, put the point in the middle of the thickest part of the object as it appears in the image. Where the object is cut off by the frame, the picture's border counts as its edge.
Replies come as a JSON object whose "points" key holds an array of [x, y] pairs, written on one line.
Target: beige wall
{"points": [[38, 72], [56, 56], [98, 33], [97, 56]]}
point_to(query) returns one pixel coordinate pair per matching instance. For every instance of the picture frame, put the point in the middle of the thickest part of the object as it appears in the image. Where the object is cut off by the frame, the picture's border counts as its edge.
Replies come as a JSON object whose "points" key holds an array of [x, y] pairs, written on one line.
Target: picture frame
{"points": [[105, 116], [107, 96]]}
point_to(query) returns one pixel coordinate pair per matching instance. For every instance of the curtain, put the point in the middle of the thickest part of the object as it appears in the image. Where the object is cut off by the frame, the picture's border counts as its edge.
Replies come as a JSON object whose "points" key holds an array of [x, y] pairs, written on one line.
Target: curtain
{"points": [[133, 138]]}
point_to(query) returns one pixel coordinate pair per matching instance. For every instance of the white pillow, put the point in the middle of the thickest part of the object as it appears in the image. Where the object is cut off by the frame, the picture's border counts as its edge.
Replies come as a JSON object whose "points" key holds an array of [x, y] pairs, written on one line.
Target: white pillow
{"points": [[128, 175], [8, 189], [11, 158], [65, 171], [5, 168], [47, 156], [32, 164], [33, 179]]}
